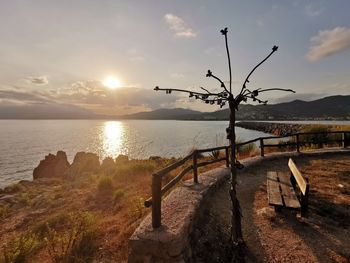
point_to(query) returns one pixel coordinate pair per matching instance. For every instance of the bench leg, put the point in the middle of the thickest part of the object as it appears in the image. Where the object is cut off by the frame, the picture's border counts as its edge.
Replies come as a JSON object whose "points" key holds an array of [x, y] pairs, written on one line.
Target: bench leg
{"points": [[278, 208], [304, 205]]}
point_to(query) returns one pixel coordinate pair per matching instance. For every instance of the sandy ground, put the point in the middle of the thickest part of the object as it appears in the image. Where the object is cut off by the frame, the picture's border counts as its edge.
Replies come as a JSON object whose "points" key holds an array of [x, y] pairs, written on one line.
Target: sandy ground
{"points": [[324, 236]]}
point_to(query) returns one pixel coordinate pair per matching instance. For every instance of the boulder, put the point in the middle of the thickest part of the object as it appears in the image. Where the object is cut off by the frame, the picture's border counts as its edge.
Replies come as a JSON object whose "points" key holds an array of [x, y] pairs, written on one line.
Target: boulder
{"points": [[84, 163], [53, 166], [108, 166], [108, 162], [121, 159]]}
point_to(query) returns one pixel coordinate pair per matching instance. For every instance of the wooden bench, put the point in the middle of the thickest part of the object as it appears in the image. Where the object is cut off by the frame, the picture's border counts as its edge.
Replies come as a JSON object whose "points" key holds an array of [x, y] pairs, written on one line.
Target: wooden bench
{"points": [[288, 190]]}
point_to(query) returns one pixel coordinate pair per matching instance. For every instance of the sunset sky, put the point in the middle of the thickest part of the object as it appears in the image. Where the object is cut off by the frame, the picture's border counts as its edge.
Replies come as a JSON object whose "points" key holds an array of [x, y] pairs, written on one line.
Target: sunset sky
{"points": [[107, 56]]}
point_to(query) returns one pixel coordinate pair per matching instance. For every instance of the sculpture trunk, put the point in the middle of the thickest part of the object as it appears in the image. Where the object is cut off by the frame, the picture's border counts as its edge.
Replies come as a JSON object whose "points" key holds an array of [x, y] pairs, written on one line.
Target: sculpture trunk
{"points": [[236, 230]]}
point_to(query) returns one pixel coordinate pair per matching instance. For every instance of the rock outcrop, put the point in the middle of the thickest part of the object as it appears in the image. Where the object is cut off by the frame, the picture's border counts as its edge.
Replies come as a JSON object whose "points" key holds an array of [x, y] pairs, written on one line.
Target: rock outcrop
{"points": [[121, 158], [53, 166], [274, 128], [84, 163]]}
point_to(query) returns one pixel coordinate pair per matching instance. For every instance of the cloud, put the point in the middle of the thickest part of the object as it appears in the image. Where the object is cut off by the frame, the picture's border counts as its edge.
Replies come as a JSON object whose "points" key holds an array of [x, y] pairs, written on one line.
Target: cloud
{"points": [[329, 42], [179, 27], [91, 95], [177, 75], [311, 11], [23, 96], [41, 80]]}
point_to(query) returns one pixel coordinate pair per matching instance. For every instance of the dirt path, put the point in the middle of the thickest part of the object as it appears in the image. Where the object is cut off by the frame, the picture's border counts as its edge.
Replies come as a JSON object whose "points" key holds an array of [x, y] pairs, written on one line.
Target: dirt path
{"points": [[284, 237]]}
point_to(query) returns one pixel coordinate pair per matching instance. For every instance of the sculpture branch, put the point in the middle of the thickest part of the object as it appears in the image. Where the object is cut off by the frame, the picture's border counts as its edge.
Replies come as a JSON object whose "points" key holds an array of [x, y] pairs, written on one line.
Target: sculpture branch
{"points": [[274, 49], [272, 89], [210, 74], [224, 32]]}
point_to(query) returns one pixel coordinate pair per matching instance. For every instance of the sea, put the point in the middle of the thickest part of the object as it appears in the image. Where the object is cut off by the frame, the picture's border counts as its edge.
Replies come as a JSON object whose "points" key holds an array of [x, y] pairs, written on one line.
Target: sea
{"points": [[23, 143]]}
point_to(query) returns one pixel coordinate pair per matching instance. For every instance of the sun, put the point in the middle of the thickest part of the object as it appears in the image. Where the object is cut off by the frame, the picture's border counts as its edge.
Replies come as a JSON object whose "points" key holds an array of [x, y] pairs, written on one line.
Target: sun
{"points": [[112, 82]]}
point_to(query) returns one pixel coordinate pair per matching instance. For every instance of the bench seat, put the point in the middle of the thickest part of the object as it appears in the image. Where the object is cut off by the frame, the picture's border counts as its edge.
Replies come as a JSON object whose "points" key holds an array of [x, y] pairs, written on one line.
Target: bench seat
{"points": [[280, 190], [282, 186]]}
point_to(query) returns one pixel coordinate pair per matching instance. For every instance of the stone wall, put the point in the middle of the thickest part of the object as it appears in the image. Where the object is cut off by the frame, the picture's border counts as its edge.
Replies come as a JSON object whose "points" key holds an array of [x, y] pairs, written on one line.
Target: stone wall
{"points": [[171, 242]]}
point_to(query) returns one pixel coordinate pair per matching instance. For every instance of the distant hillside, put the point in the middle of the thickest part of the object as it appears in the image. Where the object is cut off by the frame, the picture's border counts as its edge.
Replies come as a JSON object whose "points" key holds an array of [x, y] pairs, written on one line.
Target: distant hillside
{"points": [[44, 111], [333, 107], [165, 114]]}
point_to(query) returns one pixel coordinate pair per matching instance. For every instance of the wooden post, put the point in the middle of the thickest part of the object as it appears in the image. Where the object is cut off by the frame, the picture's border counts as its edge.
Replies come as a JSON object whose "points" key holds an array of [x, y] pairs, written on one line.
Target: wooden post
{"points": [[195, 170], [156, 200], [261, 147], [343, 140], [227, 157], [297, 142]]}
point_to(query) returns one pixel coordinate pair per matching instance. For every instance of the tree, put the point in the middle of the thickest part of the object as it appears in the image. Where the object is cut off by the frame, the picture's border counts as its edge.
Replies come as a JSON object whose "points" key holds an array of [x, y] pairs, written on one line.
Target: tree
{"points": [[226, 97]]}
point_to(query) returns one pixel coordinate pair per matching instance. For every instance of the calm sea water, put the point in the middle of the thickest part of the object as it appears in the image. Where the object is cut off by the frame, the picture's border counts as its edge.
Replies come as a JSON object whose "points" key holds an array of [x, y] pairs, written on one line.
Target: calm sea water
{"points": [[23, 143]]}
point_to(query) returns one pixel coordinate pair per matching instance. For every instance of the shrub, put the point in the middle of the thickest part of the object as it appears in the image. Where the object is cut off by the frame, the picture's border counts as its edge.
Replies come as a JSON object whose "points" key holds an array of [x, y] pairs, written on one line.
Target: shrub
{"points": [[246, 149], [117, 194], [75, 242], [136, 166], [215, 154], [315, 139], [105, 186], [23, 199], [55, 222], [4, 211], [20, 249], [13, 188], [138, 206]]}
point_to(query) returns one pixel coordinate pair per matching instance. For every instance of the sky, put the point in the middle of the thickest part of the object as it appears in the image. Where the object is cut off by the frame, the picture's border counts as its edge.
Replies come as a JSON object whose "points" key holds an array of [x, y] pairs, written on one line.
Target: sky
{"points": [[60, 53]]}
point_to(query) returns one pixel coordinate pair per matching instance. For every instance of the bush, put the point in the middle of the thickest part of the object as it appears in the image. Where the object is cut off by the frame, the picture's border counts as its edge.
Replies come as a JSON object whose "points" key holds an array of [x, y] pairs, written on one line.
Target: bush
{"points": [[138, 206], [75, 242], [246, 149], [13, 189], [136, 166], [117, 194], [55, 222], [315, 139], [4, 211], [23, 199], [20, 249], [105, 186], [215, 154]]}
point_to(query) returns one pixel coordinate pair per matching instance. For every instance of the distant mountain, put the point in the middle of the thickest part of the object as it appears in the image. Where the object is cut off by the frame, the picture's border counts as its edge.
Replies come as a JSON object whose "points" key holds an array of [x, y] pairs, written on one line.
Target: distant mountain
{"points": [[44, 111], [165, 114], [333, 107]]}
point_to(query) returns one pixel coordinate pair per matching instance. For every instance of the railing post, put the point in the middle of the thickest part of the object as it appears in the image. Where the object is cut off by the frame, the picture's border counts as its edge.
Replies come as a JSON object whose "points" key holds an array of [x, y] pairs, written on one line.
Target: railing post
{"points": [[156, 200], [227, 157], [195, 170], [343, 140], [261, 147], [297, 142]]}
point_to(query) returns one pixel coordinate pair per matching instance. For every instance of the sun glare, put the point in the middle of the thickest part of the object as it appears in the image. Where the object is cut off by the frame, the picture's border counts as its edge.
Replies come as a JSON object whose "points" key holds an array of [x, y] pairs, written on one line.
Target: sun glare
{"points": [[112, 82]]}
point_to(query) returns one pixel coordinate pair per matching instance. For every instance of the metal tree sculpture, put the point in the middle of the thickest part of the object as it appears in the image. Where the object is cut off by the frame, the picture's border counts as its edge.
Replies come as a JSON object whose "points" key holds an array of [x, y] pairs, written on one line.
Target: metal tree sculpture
{"points": [[221, 98]]}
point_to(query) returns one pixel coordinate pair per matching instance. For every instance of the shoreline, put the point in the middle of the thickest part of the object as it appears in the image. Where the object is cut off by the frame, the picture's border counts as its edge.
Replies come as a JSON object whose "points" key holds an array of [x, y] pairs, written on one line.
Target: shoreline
{"points": [[282, 129]]}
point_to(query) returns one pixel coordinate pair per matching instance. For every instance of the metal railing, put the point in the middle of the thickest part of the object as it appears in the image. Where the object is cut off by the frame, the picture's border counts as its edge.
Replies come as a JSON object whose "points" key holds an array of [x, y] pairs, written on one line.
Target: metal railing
{"points": [[300, 139]]}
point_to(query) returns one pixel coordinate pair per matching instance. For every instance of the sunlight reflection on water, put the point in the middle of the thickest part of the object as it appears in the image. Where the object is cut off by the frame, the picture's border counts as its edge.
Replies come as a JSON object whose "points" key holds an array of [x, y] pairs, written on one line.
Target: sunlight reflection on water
{"points": [[112, 138], [23, 143]]}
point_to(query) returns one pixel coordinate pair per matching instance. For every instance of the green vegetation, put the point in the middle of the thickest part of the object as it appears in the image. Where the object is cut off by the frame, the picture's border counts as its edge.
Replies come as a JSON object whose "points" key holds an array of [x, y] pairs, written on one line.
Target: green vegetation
{"points": [[105, 186], [74, 241], [11, 189], [4, 210], [117, 194], [20, 249], [23, 199], [247, 148]]}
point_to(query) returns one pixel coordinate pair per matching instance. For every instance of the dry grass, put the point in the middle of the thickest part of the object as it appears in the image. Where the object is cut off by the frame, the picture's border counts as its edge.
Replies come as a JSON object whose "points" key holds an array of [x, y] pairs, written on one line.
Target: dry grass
{"points": [[113, 198]]}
